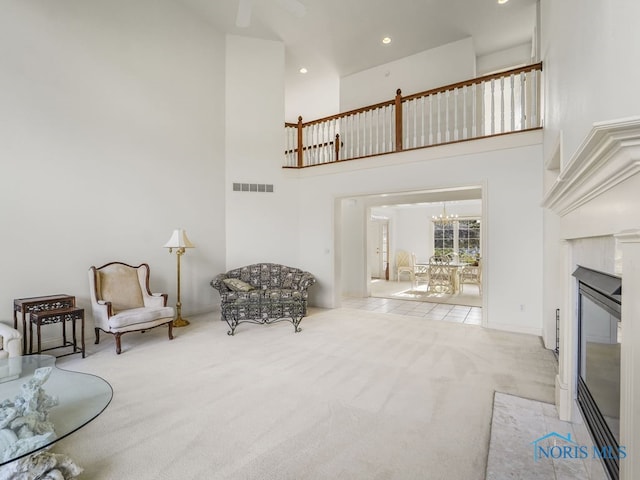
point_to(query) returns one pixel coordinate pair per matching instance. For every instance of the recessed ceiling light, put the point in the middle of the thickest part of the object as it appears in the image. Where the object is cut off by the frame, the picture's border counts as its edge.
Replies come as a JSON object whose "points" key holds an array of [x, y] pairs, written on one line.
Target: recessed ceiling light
{"points": [[386, 40], [502, 2], [303, 70]]}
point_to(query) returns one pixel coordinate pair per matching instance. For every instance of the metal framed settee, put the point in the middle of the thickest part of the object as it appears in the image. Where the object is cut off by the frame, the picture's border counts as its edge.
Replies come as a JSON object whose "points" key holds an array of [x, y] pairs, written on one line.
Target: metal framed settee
{"points": [[263, 293]]}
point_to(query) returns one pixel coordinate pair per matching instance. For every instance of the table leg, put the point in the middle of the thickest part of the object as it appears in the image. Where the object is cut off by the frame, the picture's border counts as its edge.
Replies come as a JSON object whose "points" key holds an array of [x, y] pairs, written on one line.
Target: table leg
{"points": [[63, 320], [39, 338], [30, 336], [82, 329], [73, 330]]}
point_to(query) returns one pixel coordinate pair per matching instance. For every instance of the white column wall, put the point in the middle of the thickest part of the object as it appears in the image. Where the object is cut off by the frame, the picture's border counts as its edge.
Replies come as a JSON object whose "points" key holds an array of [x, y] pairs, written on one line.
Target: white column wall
{"points": [[111, 136], [260, 227], [353, 242]]}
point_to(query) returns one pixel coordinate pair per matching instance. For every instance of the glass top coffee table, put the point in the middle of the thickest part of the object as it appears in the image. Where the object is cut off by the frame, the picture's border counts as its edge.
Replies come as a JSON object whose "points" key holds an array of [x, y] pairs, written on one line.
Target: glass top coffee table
{"points": [[62, 401]]}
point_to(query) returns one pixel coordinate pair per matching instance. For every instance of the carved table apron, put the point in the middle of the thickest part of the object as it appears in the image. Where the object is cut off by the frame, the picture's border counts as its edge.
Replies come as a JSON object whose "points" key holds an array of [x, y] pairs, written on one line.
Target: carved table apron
{"points": [[38, 304]]}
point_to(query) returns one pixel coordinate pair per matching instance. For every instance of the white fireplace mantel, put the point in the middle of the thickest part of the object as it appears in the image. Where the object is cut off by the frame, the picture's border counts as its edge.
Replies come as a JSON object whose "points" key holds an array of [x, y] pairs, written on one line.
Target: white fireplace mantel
{"points": [[596, 196], [609, 155]]}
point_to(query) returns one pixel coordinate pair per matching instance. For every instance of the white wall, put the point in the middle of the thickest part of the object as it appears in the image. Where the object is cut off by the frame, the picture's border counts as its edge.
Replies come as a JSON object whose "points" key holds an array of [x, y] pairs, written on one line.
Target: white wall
{"points": [[112, 136], [260, 227], [353, 247], [512, 176], [312, 97], [588, 50], [432, 68], [504, 59]]}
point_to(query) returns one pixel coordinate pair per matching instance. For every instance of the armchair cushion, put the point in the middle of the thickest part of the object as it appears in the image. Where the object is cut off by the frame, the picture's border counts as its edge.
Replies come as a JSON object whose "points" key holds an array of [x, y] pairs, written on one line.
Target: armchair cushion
{"points": [[120, 286], [136, 316]]}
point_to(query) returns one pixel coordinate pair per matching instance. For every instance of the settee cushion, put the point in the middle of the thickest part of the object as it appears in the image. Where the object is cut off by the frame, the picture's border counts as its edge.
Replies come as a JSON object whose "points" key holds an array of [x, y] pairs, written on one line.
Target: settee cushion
{"points": [[270, 294], [238, 285]]}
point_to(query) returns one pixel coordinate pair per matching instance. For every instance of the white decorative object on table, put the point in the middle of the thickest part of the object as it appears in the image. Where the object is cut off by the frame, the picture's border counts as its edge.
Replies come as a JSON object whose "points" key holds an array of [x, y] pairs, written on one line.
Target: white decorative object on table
{"points": [[41, 466], [24, 426]]}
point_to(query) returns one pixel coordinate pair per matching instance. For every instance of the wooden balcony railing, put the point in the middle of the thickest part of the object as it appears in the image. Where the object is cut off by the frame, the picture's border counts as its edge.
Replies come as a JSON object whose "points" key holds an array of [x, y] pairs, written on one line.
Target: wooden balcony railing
{"points": [[495, 104]]}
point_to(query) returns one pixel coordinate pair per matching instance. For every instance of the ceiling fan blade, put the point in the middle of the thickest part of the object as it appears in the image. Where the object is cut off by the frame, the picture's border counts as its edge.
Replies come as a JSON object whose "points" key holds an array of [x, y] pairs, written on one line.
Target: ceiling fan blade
{"points": [[293, 6], [243, 17]]}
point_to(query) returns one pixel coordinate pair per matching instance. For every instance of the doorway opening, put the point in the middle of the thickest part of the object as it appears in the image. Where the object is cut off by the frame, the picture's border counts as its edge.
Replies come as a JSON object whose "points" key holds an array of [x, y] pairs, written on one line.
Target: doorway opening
{"points": [[374, 227]]}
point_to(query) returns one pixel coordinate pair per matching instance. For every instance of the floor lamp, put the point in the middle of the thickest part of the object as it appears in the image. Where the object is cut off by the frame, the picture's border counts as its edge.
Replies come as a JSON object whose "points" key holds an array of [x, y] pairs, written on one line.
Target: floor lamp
{"points": [[179, 241]]}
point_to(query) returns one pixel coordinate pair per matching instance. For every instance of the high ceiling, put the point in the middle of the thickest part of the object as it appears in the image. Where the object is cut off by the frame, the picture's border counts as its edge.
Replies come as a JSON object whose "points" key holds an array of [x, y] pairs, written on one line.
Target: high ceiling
{"points": [[344, 36]]}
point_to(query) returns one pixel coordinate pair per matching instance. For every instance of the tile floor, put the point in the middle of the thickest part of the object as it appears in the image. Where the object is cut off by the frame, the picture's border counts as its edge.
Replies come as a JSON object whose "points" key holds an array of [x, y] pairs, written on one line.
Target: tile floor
{"points": [[427, 310]]}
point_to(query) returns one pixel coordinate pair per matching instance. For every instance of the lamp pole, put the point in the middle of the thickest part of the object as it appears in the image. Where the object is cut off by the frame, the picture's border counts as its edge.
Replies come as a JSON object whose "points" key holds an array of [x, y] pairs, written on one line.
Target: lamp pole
{"points": [[179, 321], [179, 242]]}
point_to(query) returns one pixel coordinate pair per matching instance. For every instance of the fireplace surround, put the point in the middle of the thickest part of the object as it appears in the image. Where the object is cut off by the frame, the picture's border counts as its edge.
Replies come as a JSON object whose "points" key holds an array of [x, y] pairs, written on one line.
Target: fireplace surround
{"points": [[593, 202]]}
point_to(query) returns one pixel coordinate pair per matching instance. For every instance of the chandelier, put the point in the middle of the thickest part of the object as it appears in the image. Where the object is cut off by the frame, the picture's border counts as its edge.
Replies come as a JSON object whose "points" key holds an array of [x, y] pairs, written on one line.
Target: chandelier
{"points": [[444, 217]]}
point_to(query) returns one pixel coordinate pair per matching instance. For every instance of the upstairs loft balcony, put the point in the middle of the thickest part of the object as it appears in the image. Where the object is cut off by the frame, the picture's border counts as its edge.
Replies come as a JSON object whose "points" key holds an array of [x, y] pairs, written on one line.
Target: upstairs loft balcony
{"points": [[498, 104]]}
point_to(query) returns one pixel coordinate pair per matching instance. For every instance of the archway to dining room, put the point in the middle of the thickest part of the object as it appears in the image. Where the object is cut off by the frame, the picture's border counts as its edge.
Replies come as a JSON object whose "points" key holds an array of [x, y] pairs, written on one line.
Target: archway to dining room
{"points": [[375, 228]]}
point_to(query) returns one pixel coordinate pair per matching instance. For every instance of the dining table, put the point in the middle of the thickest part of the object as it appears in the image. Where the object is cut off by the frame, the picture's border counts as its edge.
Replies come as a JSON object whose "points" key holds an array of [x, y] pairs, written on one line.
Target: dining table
{"points": [[421, 269]]}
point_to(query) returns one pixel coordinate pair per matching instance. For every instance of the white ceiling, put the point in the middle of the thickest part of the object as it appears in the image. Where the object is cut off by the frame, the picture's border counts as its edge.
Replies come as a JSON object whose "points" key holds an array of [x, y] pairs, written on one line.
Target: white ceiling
{"points": [[344, 36]]}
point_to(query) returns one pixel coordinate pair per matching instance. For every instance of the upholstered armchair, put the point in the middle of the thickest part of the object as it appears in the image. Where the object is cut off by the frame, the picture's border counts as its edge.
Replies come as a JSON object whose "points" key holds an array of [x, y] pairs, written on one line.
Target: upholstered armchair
{"points": [[122, 301], [10, 352], [10, 341]]}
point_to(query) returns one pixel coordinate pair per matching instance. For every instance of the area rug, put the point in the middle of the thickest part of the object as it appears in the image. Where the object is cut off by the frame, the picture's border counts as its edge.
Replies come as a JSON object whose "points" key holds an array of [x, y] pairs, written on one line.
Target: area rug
{"points": [[470, 296], [421, 295]]}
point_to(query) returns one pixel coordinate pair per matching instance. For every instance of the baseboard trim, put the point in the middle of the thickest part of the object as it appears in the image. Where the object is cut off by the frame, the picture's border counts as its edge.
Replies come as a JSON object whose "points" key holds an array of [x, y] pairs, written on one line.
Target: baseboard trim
{"points": [[537, 331]]}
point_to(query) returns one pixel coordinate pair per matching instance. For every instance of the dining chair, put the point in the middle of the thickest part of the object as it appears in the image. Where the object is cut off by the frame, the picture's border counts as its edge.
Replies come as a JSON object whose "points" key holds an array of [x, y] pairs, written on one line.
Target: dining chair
{"points": [[440, 275], [404, 264], [471, 275], [420, 272]]}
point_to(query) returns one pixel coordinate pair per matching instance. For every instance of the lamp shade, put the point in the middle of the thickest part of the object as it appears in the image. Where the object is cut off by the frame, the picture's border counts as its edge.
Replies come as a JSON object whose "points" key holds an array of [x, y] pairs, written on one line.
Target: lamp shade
{"points": [[179, 239]]}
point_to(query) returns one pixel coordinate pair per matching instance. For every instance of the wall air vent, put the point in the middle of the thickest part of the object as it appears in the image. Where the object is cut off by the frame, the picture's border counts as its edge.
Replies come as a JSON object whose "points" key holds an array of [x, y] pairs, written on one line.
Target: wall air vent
{"points": [[253, 187]]}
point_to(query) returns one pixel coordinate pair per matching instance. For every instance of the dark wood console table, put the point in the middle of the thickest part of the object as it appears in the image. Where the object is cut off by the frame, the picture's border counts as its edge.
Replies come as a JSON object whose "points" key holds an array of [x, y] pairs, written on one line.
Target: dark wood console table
{"points": [[38, 304], [48, 317]]}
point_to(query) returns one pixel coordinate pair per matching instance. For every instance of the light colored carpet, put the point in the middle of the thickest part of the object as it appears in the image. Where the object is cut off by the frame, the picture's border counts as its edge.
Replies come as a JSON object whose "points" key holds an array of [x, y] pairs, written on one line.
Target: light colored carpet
{"points": [[355, 395]]}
